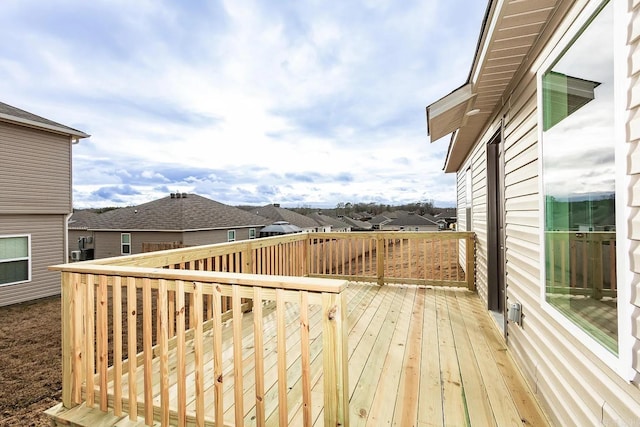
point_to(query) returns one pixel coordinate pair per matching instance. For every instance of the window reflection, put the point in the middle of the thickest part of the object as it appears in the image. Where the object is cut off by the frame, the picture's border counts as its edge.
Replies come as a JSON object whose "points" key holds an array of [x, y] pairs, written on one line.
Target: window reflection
{"points": [[579, 182]]}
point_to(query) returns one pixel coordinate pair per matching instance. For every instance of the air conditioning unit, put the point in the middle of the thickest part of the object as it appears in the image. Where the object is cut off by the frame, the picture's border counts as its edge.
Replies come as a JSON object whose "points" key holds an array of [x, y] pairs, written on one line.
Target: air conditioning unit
{"points": [[75, 255]]}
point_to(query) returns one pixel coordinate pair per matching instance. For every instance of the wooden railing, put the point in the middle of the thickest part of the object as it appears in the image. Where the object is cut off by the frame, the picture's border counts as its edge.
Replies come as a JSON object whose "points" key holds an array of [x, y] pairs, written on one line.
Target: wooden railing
{"points": [[127, 322], [581, 263]]}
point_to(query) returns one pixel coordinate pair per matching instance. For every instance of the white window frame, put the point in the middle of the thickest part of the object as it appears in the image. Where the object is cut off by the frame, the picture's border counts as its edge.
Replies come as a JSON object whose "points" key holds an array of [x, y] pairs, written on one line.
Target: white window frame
{"points": [[229, 238], [252, 233], [621, 363], [122, 244], [29, 260]]}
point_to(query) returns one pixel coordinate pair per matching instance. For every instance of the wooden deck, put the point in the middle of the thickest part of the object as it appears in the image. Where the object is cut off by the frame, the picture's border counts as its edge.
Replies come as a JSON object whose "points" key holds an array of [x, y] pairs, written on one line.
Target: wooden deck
{"points": [[418, 356]]}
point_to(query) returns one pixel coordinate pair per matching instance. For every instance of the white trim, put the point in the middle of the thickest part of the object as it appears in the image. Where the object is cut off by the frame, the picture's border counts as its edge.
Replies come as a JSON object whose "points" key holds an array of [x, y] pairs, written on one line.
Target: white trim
{"points": [[621, 364], [29, 258], [122, 244], [254, 233], [486, 43], [229, 239], [44, 126]]}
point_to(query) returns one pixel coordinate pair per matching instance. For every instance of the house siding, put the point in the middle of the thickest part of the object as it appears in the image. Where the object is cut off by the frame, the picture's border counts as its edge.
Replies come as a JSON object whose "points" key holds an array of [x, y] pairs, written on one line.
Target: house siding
{"points": [[107, 243], [47, 248], [633, 138], [192, 238], [36, 171], [574, 386]]}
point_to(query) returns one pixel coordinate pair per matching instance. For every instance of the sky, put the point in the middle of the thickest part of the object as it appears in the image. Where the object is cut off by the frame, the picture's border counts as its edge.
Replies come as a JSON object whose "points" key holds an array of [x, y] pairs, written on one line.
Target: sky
{"points": [[304, 103]]}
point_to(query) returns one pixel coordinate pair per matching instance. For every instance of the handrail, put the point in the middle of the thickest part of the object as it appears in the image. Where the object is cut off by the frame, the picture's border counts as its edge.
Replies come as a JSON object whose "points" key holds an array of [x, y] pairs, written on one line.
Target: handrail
{"points": [[193, 291]]}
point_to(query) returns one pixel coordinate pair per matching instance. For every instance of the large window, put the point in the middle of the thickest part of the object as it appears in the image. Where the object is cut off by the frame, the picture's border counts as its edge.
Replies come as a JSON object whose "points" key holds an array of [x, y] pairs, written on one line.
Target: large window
{"points": [[579, 176], [125, 243], [15, 259]]}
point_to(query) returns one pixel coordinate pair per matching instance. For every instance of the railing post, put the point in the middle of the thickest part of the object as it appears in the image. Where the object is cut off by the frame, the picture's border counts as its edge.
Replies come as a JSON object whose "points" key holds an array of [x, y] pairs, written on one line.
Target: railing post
{"points": [[306, 261], [380, 260], [471, 262], [68, 313], [335, 360]]}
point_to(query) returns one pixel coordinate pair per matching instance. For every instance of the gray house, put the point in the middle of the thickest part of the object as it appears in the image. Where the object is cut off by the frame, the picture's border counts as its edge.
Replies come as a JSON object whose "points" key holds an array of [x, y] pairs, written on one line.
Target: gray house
{"points": [[276, 213], [546, 149], [180, 219], [410, 221], [35, 202]]}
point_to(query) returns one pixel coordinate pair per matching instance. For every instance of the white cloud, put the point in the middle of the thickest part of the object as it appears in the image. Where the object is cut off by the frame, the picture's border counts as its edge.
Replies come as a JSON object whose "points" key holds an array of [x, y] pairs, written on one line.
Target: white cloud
{"points": [[292, 88]]}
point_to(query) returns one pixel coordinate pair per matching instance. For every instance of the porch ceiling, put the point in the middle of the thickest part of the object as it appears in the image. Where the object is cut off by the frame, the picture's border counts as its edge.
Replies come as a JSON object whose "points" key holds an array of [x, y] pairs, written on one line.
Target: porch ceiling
{"points": [[510, 30]]}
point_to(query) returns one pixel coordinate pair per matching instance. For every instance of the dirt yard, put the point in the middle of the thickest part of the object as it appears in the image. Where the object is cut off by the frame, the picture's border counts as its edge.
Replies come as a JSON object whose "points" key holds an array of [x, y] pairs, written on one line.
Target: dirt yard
{"points": [[30, 367]]}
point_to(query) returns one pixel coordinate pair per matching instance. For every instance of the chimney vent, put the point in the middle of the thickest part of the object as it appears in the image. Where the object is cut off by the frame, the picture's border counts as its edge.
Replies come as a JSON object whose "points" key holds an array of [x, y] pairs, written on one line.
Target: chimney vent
{"points": [[173, 195], [276, 205], [184, 195]]}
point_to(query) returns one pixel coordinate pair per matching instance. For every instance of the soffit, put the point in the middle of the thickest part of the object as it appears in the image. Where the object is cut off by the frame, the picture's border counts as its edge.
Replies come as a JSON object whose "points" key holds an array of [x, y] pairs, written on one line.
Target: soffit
{"points": [[511, 30]]}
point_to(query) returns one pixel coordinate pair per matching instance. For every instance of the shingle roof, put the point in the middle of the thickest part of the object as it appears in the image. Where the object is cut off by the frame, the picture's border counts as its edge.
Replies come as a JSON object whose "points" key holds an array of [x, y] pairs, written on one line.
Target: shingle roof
{"points": [[356, 224], [411, 220], [13, 114], [325, 220], [187, 212], [82, 219], [281, 214]]}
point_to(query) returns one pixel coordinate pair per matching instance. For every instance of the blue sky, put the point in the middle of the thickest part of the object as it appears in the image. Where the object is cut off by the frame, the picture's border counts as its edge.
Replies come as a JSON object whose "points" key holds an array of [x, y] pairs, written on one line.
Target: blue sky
{"points": [[303, 103]]}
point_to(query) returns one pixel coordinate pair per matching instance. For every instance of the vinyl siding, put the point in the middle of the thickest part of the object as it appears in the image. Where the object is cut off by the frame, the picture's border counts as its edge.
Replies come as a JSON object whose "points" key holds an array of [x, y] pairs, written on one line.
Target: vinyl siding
{"points": [[633, 137], [107, 243], [193, 238], [36, 171], [574, 386], [47, 248]]}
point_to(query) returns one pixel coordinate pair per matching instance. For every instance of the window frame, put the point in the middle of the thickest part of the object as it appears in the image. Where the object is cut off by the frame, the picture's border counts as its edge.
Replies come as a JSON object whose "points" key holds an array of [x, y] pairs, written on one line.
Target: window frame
{"points": [[229, 238], [29, 258], [122, 244], [622, 363], [252, 233]]}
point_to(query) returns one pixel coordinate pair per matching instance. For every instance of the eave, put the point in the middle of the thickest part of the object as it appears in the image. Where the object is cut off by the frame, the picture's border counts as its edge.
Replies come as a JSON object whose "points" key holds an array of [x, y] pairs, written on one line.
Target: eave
{"points": [[74, 133], [510, 31]]}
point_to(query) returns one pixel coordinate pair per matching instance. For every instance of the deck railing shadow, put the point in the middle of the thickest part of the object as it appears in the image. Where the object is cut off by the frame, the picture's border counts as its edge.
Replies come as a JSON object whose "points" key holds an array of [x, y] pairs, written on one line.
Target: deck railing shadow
{"points": [[159, 336]]}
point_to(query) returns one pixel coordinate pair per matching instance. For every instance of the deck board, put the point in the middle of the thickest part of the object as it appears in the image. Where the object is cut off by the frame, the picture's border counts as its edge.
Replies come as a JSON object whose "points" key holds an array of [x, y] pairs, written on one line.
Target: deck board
{"points": [[418, 356]]}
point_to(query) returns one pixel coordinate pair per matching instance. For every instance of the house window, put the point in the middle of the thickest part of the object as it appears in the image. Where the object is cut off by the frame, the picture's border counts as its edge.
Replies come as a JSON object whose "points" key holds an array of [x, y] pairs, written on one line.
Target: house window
{"points": [[231, 236], [252, 233], [15, 259], [125, 243], [579, 177]]}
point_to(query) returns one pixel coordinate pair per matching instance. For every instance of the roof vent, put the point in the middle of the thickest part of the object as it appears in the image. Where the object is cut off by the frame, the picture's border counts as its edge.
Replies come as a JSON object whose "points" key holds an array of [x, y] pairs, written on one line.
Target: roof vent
{"points": [[173, 195], [184, 195], [276, 205]]}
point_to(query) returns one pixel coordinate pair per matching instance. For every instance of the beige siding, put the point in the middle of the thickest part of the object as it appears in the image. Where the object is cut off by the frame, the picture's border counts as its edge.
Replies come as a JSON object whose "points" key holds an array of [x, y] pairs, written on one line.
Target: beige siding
{"points": [[36, 171], [193, 238], [633, 168], [107, 243], [573, 384], [47, 248]]}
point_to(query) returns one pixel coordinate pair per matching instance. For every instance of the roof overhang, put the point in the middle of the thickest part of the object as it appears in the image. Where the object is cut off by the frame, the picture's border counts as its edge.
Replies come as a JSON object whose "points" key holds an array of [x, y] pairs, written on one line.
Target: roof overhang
{"points": [[450, 112], [75, 134], [509, 32]]}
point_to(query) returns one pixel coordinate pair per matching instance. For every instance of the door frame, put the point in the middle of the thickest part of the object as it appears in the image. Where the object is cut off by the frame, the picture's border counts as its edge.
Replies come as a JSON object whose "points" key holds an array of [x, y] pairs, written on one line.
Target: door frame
{"points": [[496, 263]]}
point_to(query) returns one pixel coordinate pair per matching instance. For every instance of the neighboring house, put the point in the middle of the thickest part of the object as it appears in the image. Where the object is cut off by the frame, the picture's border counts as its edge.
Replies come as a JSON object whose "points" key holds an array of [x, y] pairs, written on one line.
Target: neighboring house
{"points": [[80, 240], [447, 217], [546, 148], [275, 213], [180, 219], [356, 224], [326, 223], [279, 228], [378, 221], [35, 201], [410, 222]]}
